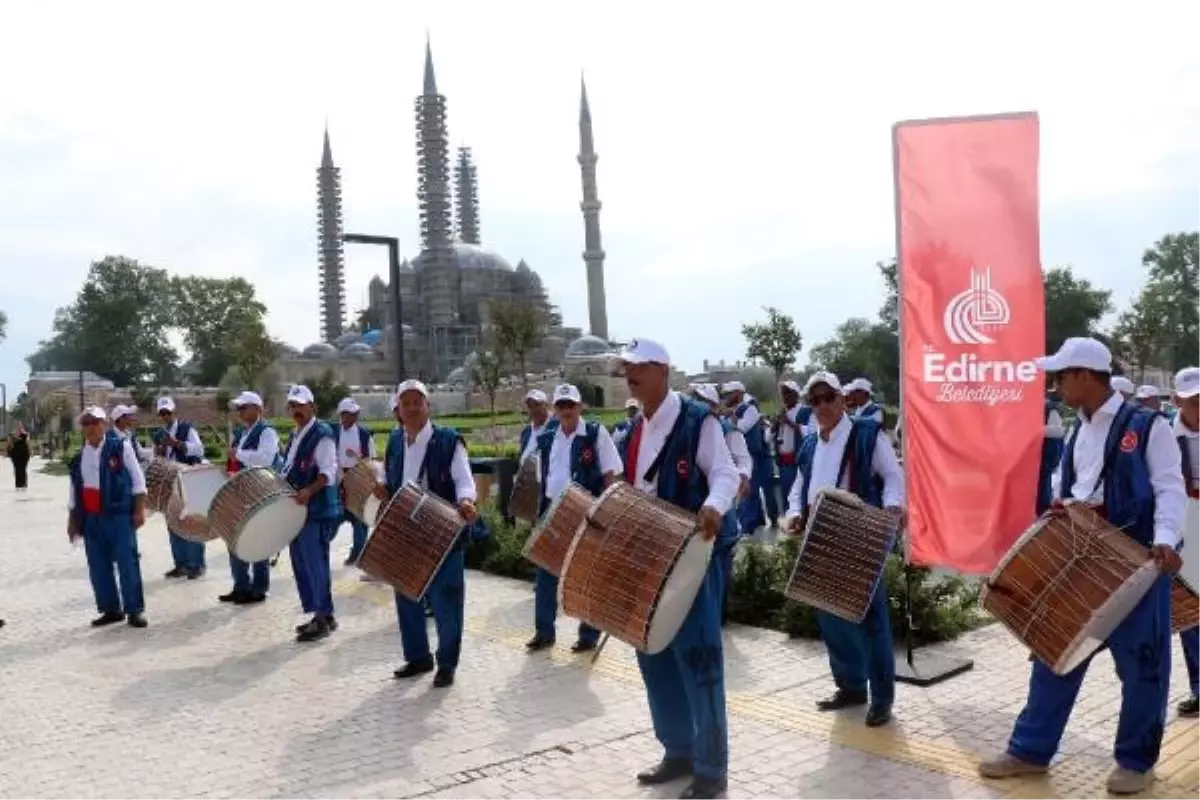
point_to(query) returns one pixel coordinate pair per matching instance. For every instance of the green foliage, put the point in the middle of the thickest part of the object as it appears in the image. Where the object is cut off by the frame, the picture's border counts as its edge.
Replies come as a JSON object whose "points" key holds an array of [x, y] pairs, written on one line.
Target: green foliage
{"points": [[486, 372], [211, 312], [252, 351], [3, 326], [1161, 327], [517, 330], [775, 342], [860, 347], [1073, 306], [327, 392]]}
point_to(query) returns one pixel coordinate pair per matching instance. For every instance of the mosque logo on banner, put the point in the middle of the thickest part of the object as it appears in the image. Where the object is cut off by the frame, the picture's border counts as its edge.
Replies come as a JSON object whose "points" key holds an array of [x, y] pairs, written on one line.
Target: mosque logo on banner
{"points": [[972, 319]]}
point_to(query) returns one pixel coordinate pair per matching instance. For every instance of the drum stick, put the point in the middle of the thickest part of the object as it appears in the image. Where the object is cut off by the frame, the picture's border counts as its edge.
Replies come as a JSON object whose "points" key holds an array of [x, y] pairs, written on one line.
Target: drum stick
{"points": [[600, 648]]}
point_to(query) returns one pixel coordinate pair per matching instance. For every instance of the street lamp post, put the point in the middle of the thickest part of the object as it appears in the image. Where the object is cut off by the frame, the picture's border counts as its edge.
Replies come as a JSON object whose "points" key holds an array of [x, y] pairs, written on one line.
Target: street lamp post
{"points": [[393, 246]]}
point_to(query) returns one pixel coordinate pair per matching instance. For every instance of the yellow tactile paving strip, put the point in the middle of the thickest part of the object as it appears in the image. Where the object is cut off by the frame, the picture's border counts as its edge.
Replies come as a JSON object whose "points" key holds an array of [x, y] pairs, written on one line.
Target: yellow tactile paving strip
{"points": [[1177, 774]]}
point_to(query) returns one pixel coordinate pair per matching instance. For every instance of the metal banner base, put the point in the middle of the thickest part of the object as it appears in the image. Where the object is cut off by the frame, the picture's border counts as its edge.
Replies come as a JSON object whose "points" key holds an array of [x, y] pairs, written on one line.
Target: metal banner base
{"points": [[926, 669]]}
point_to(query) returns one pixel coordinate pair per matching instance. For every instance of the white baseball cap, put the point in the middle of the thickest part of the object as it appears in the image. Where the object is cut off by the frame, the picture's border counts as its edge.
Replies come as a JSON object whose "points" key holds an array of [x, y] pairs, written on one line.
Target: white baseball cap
{"points": [[645, 351], [411, 385], [708, 393], [535, 396], [1146, 391], [858, 385], [300, 394], [122, 411], [347, 406], [1122, 384], [1078, 353], [1187, 382], [817, 378], [95, 412], [733, 386], [632, 403], [247, 399], [566, 393], [790, 385], [165, 404]]}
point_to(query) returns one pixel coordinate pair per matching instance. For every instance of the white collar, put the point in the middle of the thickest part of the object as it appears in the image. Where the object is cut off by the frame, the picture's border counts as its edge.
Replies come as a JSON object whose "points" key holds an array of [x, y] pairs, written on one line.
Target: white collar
{"points": [[839, 430], [1108, 408], [1180, 429], [421, 437]]}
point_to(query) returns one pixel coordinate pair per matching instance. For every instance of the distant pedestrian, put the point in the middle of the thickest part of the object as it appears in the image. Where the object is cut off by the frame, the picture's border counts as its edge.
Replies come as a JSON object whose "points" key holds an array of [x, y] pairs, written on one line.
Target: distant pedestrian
{"points": [[18, 454]]}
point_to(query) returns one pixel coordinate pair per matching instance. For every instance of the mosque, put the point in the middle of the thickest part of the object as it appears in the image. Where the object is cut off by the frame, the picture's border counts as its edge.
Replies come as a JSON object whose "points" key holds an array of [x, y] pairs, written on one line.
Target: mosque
{"points": [[446, 290]]}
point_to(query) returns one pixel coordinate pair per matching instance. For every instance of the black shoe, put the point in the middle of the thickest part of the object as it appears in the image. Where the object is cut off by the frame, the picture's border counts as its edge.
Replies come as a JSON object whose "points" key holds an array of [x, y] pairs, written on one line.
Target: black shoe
{"points": [[274, 561], [236, 596], [842, 699], [1188, 708], [314, 631], [666, 771], [330, 621], [538, 643], [108, 618], [414, 668], [878, 715], [136, 621], [443, 678], [1, 623], [194, 572], [248, 598], [178, 572], [581, 646], [705, 787]]}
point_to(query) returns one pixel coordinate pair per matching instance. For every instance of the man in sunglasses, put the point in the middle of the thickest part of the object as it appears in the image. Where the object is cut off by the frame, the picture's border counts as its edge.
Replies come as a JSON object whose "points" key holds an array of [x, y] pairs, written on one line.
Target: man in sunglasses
{"points": [[851, 454], [177, 440], [1122, 460]]}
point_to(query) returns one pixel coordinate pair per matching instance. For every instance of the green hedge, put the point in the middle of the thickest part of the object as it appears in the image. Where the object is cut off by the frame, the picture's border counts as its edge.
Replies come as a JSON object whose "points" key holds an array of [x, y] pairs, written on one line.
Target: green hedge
{"points": [[943, 608]]}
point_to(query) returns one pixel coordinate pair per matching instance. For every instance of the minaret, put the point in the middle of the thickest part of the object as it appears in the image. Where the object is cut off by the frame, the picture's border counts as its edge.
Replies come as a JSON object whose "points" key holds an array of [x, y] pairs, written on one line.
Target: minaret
{"points": [[593, 254], [433, 198], [329, 253], [466, 200]]}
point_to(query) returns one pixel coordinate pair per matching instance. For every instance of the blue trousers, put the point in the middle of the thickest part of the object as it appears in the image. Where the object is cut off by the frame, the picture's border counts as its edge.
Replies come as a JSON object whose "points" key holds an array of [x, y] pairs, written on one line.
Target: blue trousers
{"points": [[1141, 650], [787, 476], [447, 596], [310, 565], [358, 529], [762, 490], [861, 654], [685, 686], [110, 541], [1190, 639], [242, 579], [545, 609], [187, 555]]}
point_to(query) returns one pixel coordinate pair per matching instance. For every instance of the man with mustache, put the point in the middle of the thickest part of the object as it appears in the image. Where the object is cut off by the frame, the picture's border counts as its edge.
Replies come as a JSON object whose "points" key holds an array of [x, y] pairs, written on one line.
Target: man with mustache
{"points": [[255, 444]]}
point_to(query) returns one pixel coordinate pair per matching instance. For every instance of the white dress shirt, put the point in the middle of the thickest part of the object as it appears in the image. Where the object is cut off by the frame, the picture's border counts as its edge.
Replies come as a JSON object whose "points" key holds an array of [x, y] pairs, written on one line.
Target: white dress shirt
{"points": [[533, 435], [788, 434], [325, 454], [144, 454], [749, 418], [1054, 425], [712, 454], [264, 456], [827, 459], [89, 466], [1193, 448], [348, 446], [558, 474], [1162, 462], [736, 441], [460, 465], [193, 446]]}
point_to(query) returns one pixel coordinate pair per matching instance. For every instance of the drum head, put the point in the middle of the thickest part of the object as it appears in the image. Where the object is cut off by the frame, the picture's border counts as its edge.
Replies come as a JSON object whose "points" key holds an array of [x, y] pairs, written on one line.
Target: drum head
{"points": [[370, 510], [1190, 574], [1106, 618], [198, 486], [268, 528], [679, 592]]}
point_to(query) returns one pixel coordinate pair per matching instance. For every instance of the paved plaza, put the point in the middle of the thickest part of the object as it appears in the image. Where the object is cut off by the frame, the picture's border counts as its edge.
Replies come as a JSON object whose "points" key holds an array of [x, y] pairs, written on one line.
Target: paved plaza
{"points": [[219, 701]]}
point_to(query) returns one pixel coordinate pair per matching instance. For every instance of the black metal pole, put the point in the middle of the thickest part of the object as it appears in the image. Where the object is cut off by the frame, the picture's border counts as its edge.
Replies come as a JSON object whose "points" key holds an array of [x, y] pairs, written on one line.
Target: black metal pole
{"points": [[397, 315]]}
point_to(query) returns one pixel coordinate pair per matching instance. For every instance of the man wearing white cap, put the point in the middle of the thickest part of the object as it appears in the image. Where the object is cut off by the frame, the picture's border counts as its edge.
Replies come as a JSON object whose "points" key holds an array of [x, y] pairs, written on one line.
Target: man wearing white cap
{"points": [[853, 454], [1120, 383], [106, 507], [790, 427], [750, 423], [255, 444], [1187, 432], [537, 407], [1121, 459], [621, 429], [311, 468], [124, 422], [177, 440], [677, 452], [435, 457], [858, 396], [574, 451], [354, 444], [1147, 396]]}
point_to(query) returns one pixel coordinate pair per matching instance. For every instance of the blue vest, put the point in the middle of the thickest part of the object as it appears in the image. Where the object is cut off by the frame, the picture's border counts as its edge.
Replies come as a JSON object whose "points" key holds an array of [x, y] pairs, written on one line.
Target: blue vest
{"points": [[680, 480], [869, 410], [435, 469], [585, 459], [325, 504], [527, 432], [251, 441], [1186, 454], [116, 487], [804, 415], [182, 431], [857, 457], [364, 439], [1128, 494], [756, 440], [1052, 449]]}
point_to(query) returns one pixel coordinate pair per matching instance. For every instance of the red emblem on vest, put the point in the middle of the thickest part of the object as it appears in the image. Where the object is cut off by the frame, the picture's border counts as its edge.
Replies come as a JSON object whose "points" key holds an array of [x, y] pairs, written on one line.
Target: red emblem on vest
{"points": [[586, 456], [1129, 442], [681, 468], [115, 464]]}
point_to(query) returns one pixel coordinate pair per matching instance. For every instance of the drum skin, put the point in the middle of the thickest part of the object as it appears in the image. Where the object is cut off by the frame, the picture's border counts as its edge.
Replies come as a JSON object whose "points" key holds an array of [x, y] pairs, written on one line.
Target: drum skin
{"points": [[196, 489], [415, 532], [160, 483], [550, 541], [359, 484], [256, 514], [525, 502]]}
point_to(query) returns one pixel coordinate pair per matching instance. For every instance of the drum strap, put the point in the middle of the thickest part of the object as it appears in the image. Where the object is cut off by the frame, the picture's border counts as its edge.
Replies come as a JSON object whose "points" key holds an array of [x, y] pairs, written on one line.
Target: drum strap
{"points": [[652, 472]]}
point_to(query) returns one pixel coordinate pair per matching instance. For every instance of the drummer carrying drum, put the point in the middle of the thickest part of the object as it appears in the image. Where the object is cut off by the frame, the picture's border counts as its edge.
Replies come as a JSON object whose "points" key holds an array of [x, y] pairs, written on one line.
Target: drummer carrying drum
{"points": [[579, 452], [436, 458], [177, 440], [854, 455], [354, 444], [1123, 460], [1187, 433]]}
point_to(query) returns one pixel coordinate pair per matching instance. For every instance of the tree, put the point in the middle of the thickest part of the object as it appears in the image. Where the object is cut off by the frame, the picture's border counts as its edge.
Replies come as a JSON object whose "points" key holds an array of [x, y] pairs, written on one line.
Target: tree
{"points": [[517, 329], [3, 326], [1141, 331], [1162, 328], [117, 326], [863, 348], [211, 312], [1073, 306], [252, 351], [327, 391], [486, 373], [889, 312], [775, 342]]}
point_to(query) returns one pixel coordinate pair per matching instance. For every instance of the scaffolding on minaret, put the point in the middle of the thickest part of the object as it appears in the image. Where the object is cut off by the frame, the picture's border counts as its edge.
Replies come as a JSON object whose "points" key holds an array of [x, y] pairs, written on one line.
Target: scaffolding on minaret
{"points": [[593, 254], [466, 198], [329, 246]]}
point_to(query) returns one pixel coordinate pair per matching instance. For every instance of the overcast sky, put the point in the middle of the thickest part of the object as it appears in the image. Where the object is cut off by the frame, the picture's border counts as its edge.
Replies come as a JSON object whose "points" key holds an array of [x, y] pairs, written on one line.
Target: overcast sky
{"points": [[745, 157]]}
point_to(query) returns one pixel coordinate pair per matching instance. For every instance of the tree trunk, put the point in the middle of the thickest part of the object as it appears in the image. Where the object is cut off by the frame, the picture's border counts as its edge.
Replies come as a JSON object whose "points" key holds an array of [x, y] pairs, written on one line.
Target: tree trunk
{"points": [[524, 376]]}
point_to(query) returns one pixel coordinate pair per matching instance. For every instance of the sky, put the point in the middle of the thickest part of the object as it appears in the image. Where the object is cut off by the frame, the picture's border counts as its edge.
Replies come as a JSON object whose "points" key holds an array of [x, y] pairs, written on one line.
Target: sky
{"points": [[745, 157]]}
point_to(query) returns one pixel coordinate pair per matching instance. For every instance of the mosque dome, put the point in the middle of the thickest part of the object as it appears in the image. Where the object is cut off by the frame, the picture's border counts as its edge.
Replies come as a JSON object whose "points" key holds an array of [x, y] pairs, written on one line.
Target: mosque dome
{"points": [[347, 338], [358, 350], [472, 256], [588, 346], [319, 350], [373, 337]]}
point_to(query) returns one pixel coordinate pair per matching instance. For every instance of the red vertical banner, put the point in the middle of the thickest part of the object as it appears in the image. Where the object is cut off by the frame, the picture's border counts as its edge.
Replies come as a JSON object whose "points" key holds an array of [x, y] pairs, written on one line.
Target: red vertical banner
{"points": [[972, 319]]}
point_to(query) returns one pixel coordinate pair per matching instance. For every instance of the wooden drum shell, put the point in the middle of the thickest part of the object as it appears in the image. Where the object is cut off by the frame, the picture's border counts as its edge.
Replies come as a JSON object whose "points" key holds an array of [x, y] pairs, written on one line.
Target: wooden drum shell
{"points": [[414, 535], [238, 506], [161, 475], [525, 502], [551, 539], [359, 484]]}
